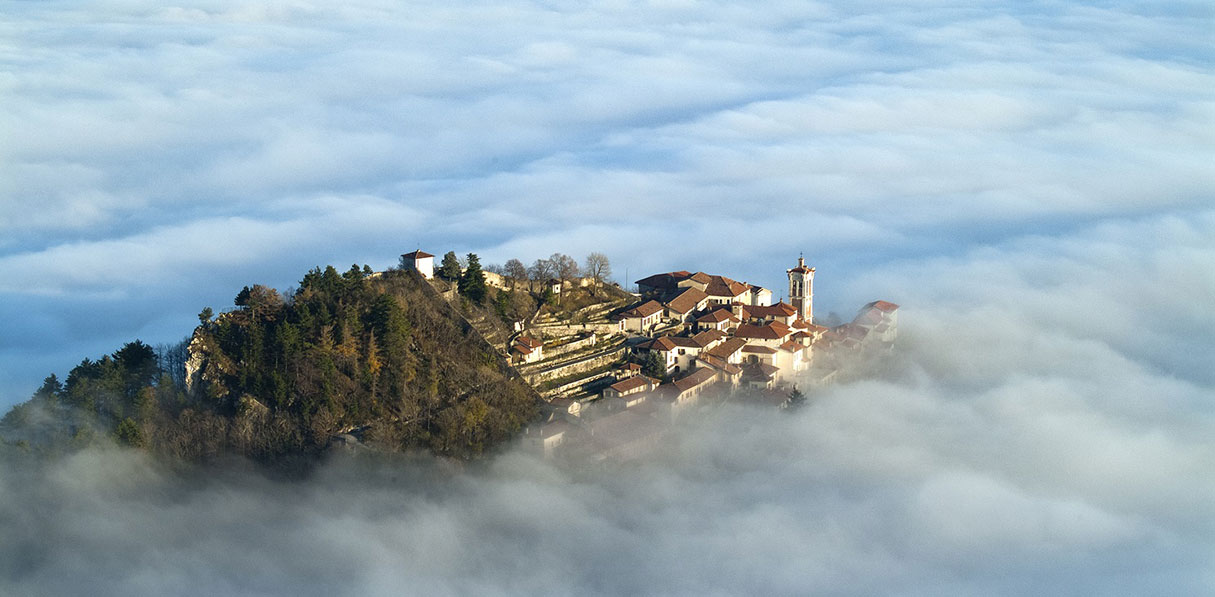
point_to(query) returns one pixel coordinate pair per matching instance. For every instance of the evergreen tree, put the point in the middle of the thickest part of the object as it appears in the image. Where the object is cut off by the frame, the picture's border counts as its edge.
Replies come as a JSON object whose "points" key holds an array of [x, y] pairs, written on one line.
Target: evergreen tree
{"points": [[450, 268], [128, 433], [654, 366], [472, 281], [796, 398], [502, 305]]}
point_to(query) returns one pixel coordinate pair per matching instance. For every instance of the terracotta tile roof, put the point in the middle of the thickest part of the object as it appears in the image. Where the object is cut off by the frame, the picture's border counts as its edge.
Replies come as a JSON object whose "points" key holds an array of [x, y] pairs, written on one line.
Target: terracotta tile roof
{"points": [[791, 346], [757, 349], [696, 378], [632, 383], [667, 281], [780, 309], [521, 349], [868, 317], [417, 255], [708, 337], [665, 343], [645, 309], [687, 300], [701, 277], [529, 341], [717, 316], [719, 364], [883, 306], [770, 331], [722, 286], [760, 370], [727, 348]]}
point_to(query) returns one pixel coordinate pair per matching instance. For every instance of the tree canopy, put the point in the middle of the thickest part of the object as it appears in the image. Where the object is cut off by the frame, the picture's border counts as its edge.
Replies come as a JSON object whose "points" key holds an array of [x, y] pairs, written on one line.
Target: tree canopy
{"points": [[450, 268], [472, 281]]}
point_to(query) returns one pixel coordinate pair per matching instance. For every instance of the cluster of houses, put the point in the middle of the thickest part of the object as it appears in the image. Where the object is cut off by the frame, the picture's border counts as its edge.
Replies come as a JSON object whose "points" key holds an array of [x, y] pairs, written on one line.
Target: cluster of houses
{"points": [[708, 332], [705, 332]]}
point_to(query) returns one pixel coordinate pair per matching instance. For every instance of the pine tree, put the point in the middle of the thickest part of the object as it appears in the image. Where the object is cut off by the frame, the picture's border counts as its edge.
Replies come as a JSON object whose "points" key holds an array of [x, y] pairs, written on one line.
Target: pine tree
{"points": [[472, 281], [796, 398], [654, 366], [450, 268]]}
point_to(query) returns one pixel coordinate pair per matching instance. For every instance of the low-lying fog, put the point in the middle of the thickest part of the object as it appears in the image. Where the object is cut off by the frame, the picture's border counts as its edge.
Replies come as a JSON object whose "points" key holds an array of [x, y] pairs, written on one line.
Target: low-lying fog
{"points": [[1045, 427]]}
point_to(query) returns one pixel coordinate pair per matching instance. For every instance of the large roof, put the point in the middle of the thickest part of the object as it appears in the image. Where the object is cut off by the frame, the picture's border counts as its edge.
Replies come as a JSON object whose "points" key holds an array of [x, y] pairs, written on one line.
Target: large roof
{"points": [[717, 316], [708, 337], [791, 346], [727, 348], [645, 309], [760, 371], [781, 309], [720, 286], [725, 287], [668, 343], [666, 281], [632, 383], [758, 349], [719, 363], [696, 378], [774, 330], [529, 341], [687, 300], [883, 306]]}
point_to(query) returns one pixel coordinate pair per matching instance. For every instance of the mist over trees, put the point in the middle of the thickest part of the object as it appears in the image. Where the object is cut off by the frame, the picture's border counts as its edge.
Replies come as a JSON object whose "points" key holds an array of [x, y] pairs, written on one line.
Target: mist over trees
{"points": [[279, 377]]}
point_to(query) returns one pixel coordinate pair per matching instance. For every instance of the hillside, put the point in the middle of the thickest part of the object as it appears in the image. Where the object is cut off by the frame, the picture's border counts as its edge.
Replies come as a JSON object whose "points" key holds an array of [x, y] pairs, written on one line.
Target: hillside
{"points": [[382, 356]]}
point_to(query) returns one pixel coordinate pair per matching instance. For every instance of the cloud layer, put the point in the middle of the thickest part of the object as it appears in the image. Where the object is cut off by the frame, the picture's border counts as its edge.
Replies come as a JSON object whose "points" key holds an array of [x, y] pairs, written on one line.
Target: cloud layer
{"points": [[997, 452], [1030, 180]]}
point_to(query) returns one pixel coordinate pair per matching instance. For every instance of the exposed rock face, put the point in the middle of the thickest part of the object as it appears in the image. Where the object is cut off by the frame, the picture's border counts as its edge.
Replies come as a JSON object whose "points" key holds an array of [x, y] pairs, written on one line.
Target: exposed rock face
{"points": [[195, 360]]}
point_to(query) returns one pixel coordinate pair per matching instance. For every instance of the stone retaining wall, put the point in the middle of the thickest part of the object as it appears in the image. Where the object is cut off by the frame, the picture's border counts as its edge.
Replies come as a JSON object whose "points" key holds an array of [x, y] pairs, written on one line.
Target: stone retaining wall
{"points": [[571, 329], [574, 385], [570, 347], [579, 366]]}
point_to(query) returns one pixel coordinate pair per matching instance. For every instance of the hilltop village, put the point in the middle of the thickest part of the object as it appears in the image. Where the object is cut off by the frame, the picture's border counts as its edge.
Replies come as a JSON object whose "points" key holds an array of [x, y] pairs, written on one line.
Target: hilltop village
{"points": [[456, 360], [615, 373]]}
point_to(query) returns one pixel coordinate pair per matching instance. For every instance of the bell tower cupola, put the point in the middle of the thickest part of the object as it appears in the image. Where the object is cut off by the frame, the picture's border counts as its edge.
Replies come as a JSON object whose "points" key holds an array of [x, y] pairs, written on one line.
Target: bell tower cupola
{"points": [[801, 289]]}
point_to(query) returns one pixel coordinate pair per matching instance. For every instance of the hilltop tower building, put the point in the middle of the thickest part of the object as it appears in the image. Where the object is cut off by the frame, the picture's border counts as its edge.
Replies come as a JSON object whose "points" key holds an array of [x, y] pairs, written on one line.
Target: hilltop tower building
{"points": [[801, 289], [419, 261]]}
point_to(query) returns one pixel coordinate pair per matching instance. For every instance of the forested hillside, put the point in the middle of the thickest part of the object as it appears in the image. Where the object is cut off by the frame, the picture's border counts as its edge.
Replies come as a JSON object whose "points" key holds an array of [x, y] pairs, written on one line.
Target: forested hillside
{"points": [[278, 376]]}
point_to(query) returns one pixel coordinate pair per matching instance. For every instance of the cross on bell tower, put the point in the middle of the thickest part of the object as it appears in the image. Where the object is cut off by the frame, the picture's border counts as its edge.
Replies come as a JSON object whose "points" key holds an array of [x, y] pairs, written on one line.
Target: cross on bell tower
{"points": [[801, 289]]}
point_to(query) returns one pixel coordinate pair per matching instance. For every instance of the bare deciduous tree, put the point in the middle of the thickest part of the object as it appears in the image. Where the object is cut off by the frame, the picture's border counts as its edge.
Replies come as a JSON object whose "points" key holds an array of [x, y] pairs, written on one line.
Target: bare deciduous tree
{"points": [[598, 267], [564, 266], [541, 270], [515, 271]]}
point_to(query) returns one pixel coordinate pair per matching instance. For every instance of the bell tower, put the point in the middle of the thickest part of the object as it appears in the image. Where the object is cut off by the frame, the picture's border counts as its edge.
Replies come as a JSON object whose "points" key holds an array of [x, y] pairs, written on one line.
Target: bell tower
{"points": [[801, 289]]}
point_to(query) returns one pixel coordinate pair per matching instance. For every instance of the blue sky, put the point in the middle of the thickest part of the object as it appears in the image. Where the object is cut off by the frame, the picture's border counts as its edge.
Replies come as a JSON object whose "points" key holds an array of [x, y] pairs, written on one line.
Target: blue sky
{"points": [[1032, 181], [159, 158]]}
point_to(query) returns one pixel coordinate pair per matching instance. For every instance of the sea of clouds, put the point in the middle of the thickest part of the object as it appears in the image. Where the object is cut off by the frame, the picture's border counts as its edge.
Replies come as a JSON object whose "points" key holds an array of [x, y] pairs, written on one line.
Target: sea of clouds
{"points": [[1000, 450], [1031, 181]]}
